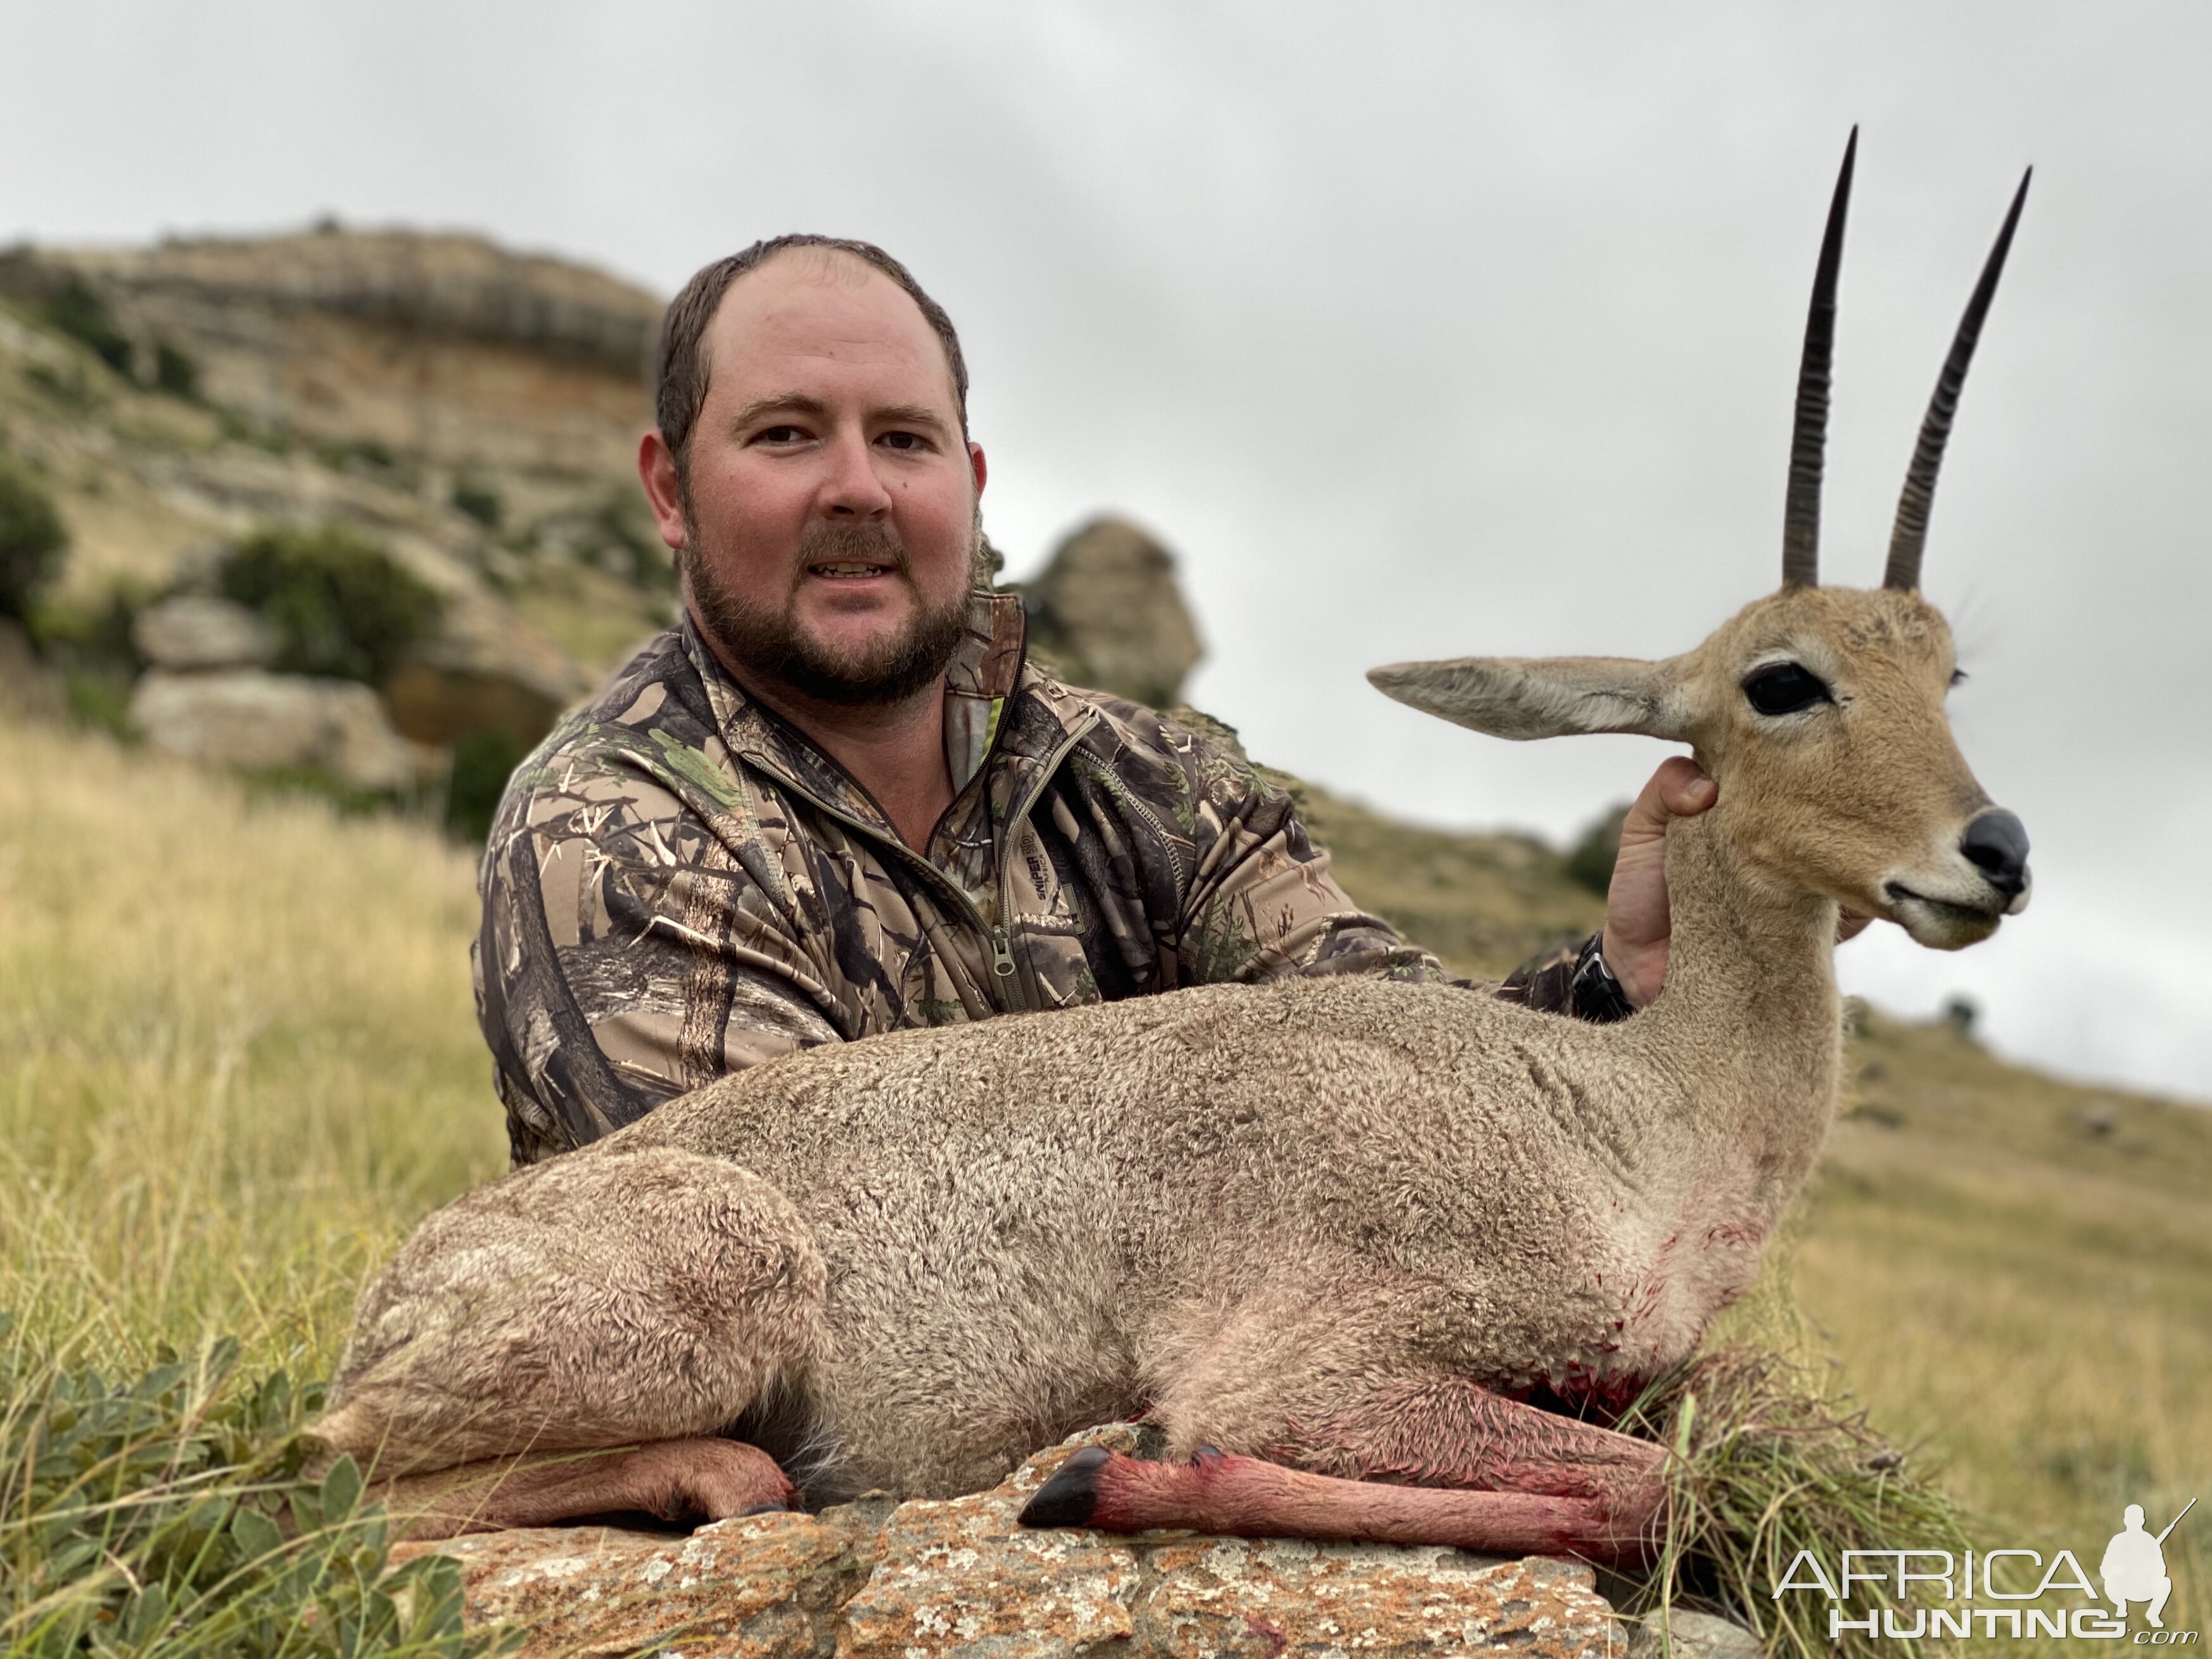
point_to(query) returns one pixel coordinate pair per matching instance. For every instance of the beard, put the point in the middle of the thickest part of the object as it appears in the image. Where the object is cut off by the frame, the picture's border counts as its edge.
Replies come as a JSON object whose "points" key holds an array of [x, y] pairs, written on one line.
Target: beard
{"points": [[765, 636]]}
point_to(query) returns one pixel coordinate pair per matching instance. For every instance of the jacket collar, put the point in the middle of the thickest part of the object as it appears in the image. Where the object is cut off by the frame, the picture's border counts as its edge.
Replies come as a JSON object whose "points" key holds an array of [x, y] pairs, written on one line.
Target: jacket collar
{"points": [[1002, 714]]}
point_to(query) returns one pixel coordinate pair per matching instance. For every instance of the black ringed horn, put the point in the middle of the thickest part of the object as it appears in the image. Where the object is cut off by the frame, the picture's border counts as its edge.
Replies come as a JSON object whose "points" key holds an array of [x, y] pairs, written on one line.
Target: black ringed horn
{"points": [[1800, 512], [1910, 538]]}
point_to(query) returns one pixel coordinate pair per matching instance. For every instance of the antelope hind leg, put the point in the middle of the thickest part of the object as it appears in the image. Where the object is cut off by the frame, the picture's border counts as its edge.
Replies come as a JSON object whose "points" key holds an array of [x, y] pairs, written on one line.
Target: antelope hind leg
{"points": [[601, 1299], [678, 1481]]}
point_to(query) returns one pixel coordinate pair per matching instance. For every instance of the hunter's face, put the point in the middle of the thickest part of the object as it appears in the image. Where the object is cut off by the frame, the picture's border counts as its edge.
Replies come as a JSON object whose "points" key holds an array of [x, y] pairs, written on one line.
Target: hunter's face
{"points": [[831, 530]]}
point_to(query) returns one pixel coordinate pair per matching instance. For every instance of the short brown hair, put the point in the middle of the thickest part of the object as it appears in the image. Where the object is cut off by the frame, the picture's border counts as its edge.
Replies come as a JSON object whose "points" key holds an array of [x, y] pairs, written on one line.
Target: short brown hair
{"points": [[679, 369]]}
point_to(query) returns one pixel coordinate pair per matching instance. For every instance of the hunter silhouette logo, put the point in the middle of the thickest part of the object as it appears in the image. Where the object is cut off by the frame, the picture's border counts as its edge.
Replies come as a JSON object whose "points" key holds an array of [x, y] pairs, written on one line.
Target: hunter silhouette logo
{"points": [[2134, 1567], [1997, 1593]]}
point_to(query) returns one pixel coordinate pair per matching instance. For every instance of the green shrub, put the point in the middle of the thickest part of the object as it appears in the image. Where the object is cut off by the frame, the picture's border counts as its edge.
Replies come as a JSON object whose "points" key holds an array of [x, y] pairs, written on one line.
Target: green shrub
{"points": [[481, 503], [76, 309], [175, 373], [483, 762], [341, 605], [1770, 1460], [101, 701], [32, 539], [173, 1514]]}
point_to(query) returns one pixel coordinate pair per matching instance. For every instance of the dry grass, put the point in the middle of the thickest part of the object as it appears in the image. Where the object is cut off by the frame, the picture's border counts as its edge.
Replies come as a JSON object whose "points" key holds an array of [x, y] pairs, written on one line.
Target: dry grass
{"points": [[236, 1054], [2017, 1274]]}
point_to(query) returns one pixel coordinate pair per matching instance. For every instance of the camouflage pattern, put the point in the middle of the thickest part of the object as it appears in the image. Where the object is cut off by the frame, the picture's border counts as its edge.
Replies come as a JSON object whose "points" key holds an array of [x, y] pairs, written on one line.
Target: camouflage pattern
{"points": [[680, 884]]}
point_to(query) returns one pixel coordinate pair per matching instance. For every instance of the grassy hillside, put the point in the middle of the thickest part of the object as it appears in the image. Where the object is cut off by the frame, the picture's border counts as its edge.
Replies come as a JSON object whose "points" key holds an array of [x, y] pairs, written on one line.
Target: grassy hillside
{"points": [[237, 1060], [236, 1054]]}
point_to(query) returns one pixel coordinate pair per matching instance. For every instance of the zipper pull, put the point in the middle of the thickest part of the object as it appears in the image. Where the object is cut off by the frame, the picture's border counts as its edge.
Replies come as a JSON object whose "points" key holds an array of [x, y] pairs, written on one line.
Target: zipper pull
{"points": [[1002, 954]]}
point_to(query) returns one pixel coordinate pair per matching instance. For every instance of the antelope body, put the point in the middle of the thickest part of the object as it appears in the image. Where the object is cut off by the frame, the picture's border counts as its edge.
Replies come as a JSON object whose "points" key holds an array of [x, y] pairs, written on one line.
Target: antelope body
{"points": [[1317, 1228]]}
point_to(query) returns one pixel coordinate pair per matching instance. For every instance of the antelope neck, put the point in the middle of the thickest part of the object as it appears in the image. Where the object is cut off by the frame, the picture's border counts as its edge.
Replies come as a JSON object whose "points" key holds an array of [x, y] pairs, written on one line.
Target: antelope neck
{"points": [[1749, 1021]]}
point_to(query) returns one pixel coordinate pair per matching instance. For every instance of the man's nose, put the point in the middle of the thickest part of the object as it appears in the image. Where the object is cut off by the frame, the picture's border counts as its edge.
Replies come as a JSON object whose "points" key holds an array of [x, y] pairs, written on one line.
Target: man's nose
{"points": [[853, 489]]}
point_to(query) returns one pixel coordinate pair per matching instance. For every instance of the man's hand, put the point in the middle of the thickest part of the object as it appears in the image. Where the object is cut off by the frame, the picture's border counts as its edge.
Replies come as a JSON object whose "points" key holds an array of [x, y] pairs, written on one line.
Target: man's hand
{"points": [[1637, 919], [1637, 923]]}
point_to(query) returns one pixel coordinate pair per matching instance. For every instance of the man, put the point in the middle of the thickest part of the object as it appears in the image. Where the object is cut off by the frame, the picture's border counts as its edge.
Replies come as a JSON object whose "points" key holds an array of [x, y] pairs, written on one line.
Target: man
{"points": [[835, 801]]}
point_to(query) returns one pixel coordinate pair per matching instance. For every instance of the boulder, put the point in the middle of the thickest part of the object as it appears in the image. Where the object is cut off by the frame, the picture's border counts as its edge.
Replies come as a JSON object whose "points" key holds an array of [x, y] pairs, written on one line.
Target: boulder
{"points": [[761, 1587], [486, 669], [1679, 1634], [1107, 613], [190, 631], [960, 1577], [245, 718]]}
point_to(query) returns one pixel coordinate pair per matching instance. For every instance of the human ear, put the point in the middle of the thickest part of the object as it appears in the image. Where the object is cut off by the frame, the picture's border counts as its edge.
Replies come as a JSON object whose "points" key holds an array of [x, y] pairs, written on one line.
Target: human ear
{"points": [[656, 471]]}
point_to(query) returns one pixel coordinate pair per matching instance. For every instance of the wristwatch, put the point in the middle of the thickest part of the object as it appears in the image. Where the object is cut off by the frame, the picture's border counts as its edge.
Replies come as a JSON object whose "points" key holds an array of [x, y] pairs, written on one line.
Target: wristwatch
{"points": [[1596, 995]]}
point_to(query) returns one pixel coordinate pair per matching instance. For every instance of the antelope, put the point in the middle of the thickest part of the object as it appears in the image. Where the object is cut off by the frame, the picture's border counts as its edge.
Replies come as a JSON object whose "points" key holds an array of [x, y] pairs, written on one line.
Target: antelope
{"points": [[1336, 1237]]}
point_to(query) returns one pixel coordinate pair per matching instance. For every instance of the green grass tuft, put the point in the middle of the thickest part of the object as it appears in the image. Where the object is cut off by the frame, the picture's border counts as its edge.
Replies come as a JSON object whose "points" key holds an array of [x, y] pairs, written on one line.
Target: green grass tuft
{"points": [[174, 1514], [1771, 1460]]}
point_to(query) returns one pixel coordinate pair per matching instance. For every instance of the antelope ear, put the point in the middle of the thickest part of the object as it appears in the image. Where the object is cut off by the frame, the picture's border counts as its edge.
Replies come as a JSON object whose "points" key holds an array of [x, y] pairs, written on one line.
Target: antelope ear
{"points": [[1525, 697]]}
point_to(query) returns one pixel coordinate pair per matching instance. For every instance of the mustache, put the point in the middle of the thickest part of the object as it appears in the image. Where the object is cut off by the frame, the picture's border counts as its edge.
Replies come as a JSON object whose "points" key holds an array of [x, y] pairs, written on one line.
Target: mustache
{"points": [[863, 542]]}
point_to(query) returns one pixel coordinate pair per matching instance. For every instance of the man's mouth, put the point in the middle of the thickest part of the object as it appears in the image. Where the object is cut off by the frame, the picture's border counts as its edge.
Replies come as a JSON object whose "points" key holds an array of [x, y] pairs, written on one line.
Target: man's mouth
{"points": [[849, 570]]}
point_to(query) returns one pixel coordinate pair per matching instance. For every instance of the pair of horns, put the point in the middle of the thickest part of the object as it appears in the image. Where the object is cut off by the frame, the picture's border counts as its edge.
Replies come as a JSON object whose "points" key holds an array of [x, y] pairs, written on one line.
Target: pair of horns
{"points": [[1800, 517]]}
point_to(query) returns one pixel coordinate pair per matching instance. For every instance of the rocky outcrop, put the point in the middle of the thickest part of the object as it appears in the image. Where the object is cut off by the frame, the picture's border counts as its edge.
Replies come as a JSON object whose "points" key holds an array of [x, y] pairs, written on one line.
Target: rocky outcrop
{"points": [[400, 345], [481, 672], [1107, 613], [961, 1577], [195, 630], [257, 721], [206, 697]]}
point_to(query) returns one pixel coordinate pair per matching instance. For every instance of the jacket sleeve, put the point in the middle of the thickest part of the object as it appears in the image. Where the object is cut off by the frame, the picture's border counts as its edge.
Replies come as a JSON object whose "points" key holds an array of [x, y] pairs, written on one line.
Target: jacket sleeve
{"points": [[1262, 902], [1573, 979], [1267, 904], [627, 955]]}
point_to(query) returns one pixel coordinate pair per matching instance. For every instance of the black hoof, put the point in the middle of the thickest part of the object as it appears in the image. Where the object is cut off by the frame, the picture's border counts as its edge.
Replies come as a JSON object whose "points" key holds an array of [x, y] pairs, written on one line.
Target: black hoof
{"points": [[1070, 1496], [765, 1509]]}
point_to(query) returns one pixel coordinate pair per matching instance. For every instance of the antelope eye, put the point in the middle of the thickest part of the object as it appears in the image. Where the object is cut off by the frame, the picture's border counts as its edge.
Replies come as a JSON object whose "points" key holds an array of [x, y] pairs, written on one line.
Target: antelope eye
{"points": [[1785, 688]]}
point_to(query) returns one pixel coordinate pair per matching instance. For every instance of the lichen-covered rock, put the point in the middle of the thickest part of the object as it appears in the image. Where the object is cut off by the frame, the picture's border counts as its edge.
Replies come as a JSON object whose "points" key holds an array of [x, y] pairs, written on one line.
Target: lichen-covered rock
{"points": [[1226, 1598], [761, 1587], [962, 1579]]}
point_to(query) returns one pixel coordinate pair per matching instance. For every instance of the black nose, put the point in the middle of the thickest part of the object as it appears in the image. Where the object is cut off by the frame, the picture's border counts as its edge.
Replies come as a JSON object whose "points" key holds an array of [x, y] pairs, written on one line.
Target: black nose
{"points": [[1997, 843]]}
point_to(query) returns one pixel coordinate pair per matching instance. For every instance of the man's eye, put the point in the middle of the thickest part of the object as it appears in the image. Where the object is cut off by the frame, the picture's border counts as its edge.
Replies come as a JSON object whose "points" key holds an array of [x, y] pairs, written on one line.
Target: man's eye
{"points": [[905, 442], [1785, 688], [778, 435]]}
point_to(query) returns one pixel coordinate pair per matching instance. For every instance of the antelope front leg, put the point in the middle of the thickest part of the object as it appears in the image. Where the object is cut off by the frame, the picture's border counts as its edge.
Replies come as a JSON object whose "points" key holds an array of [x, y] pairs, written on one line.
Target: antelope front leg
{"points": [[1434, 1461], [1443, 1431], [1345, 1430], [1251, 1497]]}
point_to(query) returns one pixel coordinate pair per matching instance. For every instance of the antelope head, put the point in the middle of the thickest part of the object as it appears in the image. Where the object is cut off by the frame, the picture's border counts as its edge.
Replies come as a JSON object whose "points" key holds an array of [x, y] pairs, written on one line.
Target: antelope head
{"points": [[1819, 711]]}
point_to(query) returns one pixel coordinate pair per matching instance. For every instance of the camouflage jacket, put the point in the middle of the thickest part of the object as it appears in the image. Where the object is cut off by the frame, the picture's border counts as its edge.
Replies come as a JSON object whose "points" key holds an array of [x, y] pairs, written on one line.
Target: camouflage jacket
{"points": [[680, 884]]}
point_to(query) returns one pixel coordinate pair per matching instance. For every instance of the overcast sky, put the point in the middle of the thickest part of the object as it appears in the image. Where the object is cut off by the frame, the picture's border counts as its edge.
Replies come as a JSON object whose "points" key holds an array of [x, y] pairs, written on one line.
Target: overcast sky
{"points": [[1417, 329]]}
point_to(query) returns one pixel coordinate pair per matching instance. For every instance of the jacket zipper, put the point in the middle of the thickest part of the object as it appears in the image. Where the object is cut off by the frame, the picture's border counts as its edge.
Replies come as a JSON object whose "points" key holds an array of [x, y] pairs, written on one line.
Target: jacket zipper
{"points": [[1013, 994], [1002, 960]]}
